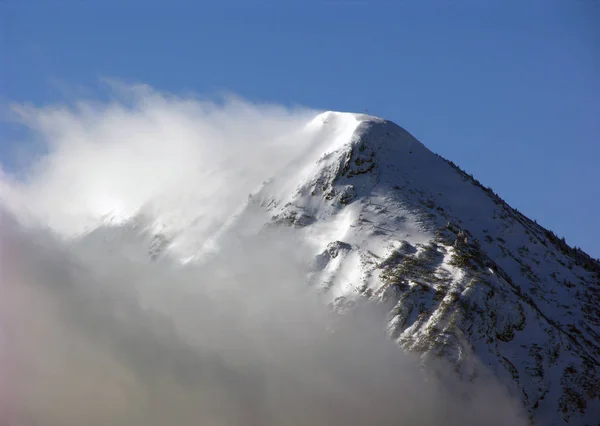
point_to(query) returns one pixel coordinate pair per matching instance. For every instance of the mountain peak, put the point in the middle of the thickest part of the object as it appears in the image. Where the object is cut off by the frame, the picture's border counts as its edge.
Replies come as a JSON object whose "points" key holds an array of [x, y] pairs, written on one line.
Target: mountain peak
{"points": [[467, 276]]}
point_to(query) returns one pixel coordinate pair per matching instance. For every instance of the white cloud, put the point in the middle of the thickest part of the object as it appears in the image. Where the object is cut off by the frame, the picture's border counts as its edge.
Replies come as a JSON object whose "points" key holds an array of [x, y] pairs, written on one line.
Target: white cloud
{"points": [[173, 156]]}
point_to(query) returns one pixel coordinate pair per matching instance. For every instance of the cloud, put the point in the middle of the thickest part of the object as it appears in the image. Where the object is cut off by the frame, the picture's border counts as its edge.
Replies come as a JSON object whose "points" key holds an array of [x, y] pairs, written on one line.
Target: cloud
{"points": [[95, 333], [165, 155]]}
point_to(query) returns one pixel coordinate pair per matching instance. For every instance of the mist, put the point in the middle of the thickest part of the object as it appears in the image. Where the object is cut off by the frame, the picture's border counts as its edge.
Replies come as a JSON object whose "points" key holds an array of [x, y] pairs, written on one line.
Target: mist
{"points": [[95, 331]]}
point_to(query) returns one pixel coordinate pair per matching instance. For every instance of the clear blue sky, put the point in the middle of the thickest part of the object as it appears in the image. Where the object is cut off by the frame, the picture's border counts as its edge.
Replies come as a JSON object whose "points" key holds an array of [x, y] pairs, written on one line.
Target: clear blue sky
{"points": [[509, 90]]}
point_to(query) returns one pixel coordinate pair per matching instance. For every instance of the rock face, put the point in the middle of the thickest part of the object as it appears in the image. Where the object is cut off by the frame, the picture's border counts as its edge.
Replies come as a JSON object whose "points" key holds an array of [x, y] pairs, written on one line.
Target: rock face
{"points": [[467, 277]]}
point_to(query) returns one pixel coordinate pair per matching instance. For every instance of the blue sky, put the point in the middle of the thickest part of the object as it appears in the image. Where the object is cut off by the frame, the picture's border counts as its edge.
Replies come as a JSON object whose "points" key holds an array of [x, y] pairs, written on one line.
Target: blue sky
{"points": [[510, 90]]}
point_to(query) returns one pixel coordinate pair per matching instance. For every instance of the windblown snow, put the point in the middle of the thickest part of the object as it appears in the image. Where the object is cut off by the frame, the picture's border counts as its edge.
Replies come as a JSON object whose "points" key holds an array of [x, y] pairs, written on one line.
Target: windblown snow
{"points": [[177, 261]]}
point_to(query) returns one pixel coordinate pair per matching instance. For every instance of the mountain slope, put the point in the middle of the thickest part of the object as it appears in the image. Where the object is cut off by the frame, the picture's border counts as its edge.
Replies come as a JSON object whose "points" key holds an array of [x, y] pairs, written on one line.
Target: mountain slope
{"points": [[464, 275]]}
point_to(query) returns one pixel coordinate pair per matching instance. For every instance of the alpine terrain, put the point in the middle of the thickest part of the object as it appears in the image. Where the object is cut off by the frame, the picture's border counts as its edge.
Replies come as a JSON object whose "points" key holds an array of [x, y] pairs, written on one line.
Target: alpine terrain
{"points": [[464, 275], [461, 275]]}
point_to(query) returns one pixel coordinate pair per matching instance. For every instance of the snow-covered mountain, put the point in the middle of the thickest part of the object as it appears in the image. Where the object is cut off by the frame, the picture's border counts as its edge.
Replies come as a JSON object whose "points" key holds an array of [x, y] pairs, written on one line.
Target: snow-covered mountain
{"points": [[462, 275], [465, 276]]}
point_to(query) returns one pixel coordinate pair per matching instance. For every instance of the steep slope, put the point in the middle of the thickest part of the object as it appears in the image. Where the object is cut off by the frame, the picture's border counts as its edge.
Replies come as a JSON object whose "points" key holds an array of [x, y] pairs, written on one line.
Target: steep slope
{"points": [[465, 276]]}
